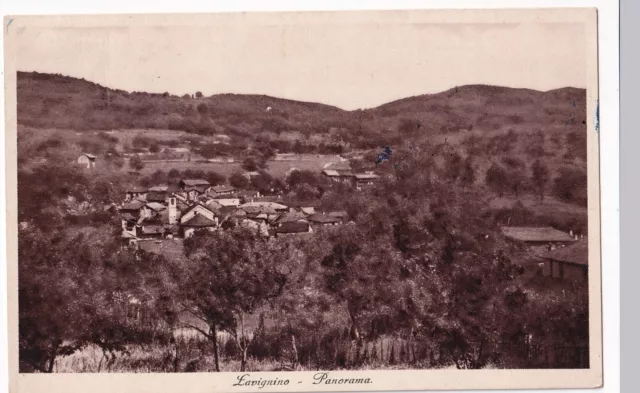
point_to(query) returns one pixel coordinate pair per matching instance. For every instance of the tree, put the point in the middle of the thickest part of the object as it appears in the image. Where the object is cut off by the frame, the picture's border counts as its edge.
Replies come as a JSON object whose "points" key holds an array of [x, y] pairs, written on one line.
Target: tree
{"points": [[72, 291], [230, 274], [265, 150], [238, 180], [249, 164], [515, 173], [215, 178], [453, 166], [468, 175], [211, 150], [136, 163], [198, 94], [154, 148], [263, 182], [409, 127], [517, 180], [46, 281], [203, 109], [305, 192], [539, 177], [304, 176], [496, 179], [571, 185]]}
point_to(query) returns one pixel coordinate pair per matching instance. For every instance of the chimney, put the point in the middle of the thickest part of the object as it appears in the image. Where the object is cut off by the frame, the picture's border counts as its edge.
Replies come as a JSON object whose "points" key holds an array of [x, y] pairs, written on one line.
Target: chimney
{"points": [[172, 210]]}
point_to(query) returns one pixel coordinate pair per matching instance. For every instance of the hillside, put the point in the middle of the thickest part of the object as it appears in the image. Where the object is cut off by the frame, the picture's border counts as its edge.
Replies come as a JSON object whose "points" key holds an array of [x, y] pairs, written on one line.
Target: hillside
{"points": [[61, 102]]}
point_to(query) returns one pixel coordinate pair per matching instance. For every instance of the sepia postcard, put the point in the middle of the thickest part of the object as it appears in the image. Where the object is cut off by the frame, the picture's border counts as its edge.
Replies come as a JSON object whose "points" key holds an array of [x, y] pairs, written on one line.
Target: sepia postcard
{"points": [[303, 201]]}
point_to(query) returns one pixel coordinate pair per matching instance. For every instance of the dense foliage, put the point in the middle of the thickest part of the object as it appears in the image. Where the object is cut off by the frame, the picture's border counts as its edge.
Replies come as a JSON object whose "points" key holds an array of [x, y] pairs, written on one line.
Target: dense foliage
{"points": [[423, 264]]}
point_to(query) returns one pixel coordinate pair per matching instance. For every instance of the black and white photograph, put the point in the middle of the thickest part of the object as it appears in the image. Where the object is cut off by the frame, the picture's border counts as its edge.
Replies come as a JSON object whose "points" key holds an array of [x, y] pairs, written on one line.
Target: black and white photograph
{"points": [[305, 192]]}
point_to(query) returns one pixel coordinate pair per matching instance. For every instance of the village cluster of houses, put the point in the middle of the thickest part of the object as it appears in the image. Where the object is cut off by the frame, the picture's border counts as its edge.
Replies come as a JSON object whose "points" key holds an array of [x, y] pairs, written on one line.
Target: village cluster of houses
{"points": [[176, 211], [170, 212]]}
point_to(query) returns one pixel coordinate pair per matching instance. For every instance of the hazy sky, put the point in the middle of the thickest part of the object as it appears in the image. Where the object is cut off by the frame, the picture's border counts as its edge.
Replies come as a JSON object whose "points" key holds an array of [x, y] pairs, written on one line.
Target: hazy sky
{"points": [[349, 66]]}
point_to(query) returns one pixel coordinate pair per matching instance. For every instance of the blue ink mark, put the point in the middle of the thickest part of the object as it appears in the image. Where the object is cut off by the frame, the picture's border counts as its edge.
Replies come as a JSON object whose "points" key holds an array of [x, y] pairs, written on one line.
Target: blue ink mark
{"points": [[384, 156], [7, 29], [598, 116], [573, 103]]}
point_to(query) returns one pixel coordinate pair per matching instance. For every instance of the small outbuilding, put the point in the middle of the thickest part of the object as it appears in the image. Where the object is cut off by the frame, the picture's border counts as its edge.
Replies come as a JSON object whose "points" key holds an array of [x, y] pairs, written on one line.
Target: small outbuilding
{"points": [[567, 263], [87, 160]]}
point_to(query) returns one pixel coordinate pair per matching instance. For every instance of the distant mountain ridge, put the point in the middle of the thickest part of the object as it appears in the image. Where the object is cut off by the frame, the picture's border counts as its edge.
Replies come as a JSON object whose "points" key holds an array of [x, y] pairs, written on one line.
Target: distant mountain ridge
{"points": [[57, 101]]}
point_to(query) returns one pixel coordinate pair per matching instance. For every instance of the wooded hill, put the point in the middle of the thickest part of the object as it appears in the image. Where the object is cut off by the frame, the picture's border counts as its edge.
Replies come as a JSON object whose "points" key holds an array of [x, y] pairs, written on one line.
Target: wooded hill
{"points": [[57, 101]]}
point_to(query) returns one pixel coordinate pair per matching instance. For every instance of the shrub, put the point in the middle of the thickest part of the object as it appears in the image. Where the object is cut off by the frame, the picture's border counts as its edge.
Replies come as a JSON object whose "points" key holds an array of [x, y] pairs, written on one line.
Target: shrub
{"points": [[136, 163], [238, 180], [571, 186]]}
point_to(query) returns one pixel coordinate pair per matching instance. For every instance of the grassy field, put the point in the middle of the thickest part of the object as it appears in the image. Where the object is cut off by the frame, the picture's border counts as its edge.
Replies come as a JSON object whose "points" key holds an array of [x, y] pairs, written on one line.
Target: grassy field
{"points": [[275, 168], [549, 205]]}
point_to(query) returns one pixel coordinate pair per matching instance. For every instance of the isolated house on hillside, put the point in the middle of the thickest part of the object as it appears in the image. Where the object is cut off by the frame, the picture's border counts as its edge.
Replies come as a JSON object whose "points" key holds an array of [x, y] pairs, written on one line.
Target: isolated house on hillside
{"points": [[338, 175], [537, 235], [361, 180], [331, 174], [567, 263], [87, 160]]}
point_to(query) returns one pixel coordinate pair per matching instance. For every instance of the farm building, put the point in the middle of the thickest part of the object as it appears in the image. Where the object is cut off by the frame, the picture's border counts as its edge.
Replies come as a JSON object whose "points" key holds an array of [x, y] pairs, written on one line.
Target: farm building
{"points": [[364, 179], [247, 195], [135, 209], [342, 215], [271, 205], [159, 188], [226, 202], [338, 175], [136, 193], [196, 217], [194, 188], [251, 174], [324, 219], [221, 190], [567, 263], [156, 196], [87, 160], [188, 184], [294, 216], [293, 228]]}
